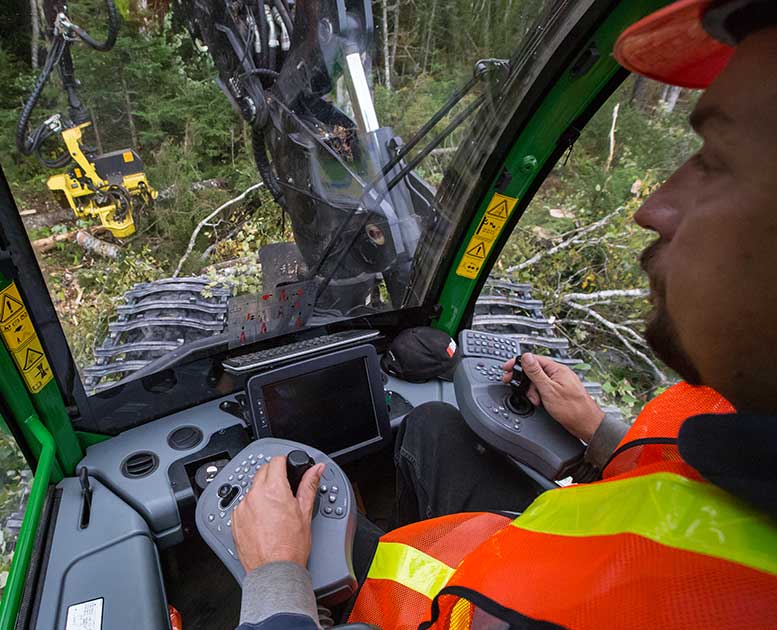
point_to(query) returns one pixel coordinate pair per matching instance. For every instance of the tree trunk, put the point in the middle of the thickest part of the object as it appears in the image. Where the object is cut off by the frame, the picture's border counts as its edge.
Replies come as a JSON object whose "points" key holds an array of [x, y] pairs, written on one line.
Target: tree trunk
{"points": [[386, 58], [428, 46], [128, 105], [395, 36], [35, 20], [671, 97], [96, 128], [487, 28]]}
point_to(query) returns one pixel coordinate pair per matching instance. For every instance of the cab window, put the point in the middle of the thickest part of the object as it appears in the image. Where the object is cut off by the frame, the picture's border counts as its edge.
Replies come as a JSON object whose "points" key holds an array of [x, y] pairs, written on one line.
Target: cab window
{"points": [[578, 247]]}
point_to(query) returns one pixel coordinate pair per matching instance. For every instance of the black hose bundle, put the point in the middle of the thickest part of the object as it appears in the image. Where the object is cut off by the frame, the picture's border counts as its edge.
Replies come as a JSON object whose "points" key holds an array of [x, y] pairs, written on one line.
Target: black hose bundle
{"points": [[263, 165]]}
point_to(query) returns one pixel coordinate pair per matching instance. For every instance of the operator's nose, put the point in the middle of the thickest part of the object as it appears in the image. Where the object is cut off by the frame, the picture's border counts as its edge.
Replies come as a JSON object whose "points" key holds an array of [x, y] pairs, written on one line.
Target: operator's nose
{"points": [[658, 215], [663, 210]]}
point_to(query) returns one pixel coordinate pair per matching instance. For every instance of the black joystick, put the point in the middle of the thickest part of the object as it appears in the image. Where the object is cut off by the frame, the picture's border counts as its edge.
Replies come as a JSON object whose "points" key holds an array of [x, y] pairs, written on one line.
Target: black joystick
{"points": [[517, 401], [297, 462]]}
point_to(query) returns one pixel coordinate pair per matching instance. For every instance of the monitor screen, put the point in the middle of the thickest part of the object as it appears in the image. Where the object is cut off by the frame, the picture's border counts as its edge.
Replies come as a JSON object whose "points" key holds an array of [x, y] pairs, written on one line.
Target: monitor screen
{"points": [[331, 409]]}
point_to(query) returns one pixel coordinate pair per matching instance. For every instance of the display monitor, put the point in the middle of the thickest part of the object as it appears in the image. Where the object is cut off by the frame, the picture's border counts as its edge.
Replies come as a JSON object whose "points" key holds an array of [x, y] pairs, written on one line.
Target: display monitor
{"points": [[334, 403]]}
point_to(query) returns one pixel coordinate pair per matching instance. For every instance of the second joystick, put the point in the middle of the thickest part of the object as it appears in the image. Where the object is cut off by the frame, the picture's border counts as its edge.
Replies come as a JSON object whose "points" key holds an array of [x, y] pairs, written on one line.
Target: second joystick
{"points": [[517, 401], [297, 463]]}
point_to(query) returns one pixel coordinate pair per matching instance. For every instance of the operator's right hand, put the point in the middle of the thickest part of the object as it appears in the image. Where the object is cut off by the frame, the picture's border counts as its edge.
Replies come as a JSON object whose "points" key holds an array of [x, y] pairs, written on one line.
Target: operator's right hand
{"points": [[271, 524], [558, 389]]}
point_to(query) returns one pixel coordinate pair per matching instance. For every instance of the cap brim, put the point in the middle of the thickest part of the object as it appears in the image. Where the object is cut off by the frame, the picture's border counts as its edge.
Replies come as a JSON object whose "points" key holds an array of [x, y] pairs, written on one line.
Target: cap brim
{"points": [[671, 46]]}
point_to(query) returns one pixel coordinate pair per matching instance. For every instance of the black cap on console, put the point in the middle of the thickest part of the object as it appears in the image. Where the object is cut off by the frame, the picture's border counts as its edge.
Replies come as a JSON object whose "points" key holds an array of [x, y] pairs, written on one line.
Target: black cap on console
{"points": [[420, 354]]}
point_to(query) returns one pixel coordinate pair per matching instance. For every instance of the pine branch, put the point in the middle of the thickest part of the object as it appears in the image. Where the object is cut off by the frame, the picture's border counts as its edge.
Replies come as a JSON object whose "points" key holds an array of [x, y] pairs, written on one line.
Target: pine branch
{"points": [[567, 243], [206, 222]]}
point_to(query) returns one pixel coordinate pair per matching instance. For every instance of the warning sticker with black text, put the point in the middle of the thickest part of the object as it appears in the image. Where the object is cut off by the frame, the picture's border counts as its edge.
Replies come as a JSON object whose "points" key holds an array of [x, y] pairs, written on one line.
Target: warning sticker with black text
{"points": [[22, 342], [488, 230]]}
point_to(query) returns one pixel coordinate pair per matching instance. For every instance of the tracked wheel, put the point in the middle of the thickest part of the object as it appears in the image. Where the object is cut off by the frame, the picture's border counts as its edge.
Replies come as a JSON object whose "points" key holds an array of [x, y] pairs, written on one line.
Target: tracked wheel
{"points": [[156, 318]]}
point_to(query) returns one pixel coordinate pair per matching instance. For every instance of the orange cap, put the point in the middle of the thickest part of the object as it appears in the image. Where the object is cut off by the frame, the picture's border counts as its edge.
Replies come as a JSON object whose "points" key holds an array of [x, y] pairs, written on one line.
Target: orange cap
{"points": [[672, 46]]}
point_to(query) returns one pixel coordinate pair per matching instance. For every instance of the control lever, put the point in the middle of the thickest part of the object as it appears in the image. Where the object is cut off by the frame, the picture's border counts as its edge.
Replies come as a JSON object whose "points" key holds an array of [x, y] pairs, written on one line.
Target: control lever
{"points": [[86, 497], [517, 401], [297, 462]]}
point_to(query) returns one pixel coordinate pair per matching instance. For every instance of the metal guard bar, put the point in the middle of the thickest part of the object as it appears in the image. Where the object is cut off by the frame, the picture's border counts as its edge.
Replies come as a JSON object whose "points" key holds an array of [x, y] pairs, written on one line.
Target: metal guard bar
{"points": [[14, 587]]}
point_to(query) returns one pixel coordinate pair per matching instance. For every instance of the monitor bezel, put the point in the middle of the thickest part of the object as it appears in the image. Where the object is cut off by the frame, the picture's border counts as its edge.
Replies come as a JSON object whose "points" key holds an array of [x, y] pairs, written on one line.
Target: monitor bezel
{"points": [[261, 423]]}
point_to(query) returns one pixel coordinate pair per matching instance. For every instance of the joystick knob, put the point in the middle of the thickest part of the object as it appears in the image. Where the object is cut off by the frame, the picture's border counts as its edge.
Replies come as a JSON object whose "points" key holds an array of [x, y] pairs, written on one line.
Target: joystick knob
{"points": [[297, 462], [517, 401]]}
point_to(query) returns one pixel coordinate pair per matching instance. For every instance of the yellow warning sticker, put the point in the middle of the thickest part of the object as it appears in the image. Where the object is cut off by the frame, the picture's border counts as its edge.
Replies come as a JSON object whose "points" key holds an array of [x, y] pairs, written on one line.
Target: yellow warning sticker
{"points": [[128, 157], [489, 228], [20, 338]]}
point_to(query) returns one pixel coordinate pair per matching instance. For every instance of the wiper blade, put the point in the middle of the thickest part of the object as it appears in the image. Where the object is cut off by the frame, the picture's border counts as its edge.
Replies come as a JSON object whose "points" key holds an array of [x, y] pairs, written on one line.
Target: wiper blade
{"points": [[199, 349]]}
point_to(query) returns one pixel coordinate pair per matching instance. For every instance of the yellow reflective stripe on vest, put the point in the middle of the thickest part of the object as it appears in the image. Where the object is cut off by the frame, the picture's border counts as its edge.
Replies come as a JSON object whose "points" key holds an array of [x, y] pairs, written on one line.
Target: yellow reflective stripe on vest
{"points": [[410, 567], [666, 508]]}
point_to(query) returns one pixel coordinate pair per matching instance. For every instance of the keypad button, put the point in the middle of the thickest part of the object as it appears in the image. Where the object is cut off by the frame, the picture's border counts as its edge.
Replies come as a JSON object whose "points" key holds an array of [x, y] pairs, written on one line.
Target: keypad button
{"points": [[211, 517], [323, 489], [222, 514], [335, 489], [339, 511], [327, 510], [332, 498], [240, 477]]}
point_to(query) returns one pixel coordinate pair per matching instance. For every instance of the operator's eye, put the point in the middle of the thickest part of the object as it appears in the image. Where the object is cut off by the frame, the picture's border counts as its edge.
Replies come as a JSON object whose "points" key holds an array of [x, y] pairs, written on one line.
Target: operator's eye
{"points": [[706, 164], [700, 163]]}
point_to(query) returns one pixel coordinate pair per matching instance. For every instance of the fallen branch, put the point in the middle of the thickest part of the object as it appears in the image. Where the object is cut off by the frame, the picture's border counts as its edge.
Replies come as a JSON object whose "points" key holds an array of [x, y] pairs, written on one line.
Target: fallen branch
{"points": [[611, 155], [206, 223], [443, 150], [92, 244], [43, 245], [171, 191], [584, 322], [564, 244], [616, 330], [604, 295]]}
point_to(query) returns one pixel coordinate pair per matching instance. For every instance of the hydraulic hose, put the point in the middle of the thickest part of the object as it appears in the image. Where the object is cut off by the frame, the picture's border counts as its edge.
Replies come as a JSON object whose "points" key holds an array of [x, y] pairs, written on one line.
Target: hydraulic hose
{"points": [[264, 33], [52, 59], [263, 165], [113, 30], [283, 10]]}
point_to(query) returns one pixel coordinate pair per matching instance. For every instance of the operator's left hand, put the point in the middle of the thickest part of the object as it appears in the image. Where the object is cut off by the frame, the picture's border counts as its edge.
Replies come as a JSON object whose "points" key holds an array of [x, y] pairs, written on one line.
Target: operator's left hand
{"points": [[271, 524]]}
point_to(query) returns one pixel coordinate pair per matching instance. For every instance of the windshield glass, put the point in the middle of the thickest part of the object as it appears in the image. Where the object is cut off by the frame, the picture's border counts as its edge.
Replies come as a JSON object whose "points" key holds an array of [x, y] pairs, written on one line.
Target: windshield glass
{"points": [[231, 172]]}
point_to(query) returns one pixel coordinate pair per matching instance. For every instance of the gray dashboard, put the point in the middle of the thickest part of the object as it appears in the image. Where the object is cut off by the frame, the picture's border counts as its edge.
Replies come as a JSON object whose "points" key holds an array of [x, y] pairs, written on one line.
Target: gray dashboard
{"points": [[157, 497], [152, 495]]}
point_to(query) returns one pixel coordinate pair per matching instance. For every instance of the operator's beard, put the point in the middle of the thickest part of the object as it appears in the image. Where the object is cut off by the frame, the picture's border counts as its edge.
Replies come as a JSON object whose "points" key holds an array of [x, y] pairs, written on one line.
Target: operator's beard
{"points": [[660, 330]]}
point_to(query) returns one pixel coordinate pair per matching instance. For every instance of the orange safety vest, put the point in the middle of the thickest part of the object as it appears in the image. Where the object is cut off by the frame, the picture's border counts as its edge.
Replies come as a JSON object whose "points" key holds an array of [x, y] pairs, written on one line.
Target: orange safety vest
{"points": [[650, 546]]}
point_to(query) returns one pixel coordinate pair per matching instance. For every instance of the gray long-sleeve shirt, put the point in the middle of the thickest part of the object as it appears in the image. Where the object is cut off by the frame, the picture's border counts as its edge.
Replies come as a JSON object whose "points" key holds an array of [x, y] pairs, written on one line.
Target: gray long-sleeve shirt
{"points": [[286, 587]]}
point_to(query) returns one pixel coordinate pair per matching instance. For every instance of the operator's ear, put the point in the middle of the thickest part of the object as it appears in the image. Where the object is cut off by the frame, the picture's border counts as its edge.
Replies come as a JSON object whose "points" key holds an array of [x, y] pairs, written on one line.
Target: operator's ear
{"points": [[736, 452]]}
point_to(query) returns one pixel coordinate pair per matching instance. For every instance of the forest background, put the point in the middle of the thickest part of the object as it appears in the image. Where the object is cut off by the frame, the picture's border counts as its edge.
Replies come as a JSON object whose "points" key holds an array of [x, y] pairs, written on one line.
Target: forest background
{"points": [[155, 92]]}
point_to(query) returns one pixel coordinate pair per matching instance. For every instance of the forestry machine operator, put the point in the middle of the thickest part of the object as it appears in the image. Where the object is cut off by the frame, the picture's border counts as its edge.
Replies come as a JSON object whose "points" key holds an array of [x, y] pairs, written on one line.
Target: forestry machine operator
{"points": [[679, 531]]}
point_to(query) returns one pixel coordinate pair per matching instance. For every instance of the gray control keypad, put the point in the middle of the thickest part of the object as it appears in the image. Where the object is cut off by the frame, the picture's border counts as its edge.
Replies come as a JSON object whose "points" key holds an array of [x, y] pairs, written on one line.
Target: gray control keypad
{"points": [[332, 528], [488, 346]]}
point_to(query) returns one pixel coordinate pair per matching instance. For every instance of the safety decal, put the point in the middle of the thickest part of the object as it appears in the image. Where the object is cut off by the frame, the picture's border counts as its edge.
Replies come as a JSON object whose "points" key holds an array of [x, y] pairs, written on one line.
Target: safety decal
{"points": [[85, 616], [20, 339], [489, 228]]}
